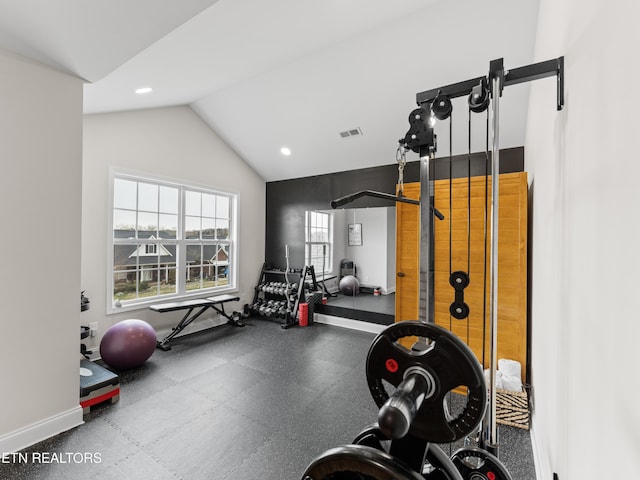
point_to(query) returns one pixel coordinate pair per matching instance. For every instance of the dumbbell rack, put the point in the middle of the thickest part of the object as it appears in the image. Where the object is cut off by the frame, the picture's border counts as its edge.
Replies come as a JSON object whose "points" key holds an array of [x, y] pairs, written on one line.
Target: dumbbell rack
{"points": [[272, 293]]}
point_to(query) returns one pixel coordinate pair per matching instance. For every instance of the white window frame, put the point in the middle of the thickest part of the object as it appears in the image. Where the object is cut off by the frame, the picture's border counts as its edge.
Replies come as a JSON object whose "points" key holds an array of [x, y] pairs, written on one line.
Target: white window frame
{"points": [[180, 242], [328, 267]]}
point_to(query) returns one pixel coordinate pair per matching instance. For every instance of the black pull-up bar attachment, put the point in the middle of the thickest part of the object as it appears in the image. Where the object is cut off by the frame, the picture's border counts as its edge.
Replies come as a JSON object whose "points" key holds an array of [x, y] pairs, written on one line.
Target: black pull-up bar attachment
{"points": [[339, 202]]}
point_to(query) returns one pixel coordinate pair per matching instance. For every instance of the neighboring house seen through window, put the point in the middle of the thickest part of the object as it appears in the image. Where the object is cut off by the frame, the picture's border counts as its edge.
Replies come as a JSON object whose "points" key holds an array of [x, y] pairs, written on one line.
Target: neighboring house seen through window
{"points": [[169, 240]]}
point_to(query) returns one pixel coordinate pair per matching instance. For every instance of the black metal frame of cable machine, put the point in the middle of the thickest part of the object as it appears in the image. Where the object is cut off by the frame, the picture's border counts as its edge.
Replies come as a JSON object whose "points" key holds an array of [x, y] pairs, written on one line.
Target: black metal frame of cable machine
{"points": [[496, 80], [425, 146]]}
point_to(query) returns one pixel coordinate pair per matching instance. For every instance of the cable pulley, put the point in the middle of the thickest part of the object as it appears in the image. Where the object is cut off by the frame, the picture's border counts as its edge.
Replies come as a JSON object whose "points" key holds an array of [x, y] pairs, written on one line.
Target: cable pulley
{"points": [[459, 280], [479, 97], [441, 107], [420, 133], [458, 309]]}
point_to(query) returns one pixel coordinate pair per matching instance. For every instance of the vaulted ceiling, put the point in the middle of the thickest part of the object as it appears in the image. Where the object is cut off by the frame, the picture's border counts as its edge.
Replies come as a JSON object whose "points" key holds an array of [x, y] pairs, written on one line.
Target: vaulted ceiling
{"points": [[271, 73]]}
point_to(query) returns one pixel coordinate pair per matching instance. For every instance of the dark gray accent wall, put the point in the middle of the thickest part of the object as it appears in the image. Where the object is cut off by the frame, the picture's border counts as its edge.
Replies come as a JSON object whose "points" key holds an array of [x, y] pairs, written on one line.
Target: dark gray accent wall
{"points": [[287, 200]]}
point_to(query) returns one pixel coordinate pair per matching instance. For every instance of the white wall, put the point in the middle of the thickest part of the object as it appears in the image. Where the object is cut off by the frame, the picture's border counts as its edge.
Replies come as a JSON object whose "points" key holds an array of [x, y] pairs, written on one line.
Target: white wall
{"points": [[171, 143], [40, 195], [584, 171], [391, 250], [371, 257]]}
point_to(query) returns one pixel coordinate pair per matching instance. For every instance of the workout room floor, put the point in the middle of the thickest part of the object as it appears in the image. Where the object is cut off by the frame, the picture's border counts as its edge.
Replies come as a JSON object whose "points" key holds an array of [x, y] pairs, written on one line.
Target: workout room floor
{"points": [[252, 403]]}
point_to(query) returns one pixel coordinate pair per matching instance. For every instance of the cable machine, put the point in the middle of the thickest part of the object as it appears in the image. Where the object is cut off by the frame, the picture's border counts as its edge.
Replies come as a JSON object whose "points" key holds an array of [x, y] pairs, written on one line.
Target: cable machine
{"points": [[483, 92], [410, 429]]}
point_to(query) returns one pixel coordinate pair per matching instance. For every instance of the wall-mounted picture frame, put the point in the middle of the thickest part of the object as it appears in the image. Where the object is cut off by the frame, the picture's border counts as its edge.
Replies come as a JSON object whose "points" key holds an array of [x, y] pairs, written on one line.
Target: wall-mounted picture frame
{"points": [[354, 234]]}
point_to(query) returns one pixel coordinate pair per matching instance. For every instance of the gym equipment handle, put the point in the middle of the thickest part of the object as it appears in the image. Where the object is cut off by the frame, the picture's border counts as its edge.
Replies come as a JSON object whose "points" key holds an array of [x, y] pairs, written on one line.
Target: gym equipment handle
{"points": [[339, 202], [396, 415]]}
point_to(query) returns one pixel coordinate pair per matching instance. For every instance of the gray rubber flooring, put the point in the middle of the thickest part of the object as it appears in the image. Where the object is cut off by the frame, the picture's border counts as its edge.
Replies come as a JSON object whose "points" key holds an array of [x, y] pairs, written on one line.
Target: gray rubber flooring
{"points": [[233, 403]]}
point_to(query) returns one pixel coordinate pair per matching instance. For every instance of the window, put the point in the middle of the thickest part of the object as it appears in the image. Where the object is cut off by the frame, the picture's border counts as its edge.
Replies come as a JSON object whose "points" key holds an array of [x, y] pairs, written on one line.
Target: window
{"points": [[169, 240], [318, 241]]}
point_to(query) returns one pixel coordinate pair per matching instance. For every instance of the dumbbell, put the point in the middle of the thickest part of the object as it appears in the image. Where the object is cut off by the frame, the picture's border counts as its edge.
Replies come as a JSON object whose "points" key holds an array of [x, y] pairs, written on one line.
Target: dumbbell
{"points": [[256, 305]]}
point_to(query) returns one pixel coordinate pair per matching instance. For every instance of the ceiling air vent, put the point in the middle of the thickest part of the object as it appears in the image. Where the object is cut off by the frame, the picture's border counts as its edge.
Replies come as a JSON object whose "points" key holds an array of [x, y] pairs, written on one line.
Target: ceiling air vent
{"points": [[351, 133]]}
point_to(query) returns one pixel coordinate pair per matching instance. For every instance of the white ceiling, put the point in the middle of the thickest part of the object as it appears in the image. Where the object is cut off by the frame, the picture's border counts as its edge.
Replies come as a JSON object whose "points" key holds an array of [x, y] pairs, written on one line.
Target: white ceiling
{"points": [[271, 73]]}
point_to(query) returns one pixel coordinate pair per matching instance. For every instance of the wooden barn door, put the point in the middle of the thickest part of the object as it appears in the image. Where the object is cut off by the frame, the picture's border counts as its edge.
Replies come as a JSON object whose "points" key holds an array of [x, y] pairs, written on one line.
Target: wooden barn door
{"points": [[452, 244], [408, 255]]}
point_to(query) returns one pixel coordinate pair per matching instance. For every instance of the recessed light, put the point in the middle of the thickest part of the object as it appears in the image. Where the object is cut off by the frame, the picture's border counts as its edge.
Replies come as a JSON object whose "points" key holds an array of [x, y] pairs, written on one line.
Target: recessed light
{"points": [[143, 90], [285, 151]]}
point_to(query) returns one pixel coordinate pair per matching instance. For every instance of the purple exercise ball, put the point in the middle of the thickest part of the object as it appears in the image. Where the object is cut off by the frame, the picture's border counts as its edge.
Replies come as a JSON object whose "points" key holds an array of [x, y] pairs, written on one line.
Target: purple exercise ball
{"points": [[349, 285], [128, 344]]}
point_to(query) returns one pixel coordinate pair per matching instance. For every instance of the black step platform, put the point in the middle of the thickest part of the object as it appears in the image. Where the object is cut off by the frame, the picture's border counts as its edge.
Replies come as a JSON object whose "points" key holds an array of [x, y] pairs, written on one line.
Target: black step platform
{"points": [[97, 385]]}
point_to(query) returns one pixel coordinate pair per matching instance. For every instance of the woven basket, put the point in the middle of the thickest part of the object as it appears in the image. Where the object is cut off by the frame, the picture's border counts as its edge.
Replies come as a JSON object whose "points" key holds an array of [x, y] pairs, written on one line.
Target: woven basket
{"points": [[512, 408]]}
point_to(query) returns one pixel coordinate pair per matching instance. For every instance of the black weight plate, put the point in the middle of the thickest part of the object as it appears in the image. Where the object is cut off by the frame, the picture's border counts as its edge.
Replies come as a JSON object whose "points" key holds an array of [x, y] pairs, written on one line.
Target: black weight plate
{"points": [[443, 467], [438, 465], [371, 436], [448, 360], [459, 280], [459, 311], [357, 462], [486, 466]]}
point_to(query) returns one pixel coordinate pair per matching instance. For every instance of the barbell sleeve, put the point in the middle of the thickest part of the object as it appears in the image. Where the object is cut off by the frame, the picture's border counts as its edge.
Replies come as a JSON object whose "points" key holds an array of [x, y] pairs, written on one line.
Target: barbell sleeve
{"points": [[396, 415]]}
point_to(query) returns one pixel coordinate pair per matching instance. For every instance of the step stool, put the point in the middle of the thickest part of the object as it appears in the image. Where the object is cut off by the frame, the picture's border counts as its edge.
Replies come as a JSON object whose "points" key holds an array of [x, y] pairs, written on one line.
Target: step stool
{"points": [[97, 385]]}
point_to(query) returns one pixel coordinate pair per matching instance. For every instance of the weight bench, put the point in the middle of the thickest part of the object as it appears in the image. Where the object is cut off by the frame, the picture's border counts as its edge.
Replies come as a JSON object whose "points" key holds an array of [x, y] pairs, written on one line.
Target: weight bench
{"points": [[201, 304]]}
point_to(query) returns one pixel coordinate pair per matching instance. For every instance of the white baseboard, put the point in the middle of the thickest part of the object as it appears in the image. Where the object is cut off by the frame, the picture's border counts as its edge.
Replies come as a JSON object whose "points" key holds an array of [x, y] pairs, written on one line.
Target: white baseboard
{"points": [[348, 323], [537, 461], [37, 432]]}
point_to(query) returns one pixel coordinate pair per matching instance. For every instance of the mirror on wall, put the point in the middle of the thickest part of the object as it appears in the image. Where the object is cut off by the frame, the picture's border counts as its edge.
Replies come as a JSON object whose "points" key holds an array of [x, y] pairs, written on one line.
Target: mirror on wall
{"points": [[354, 248]]}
